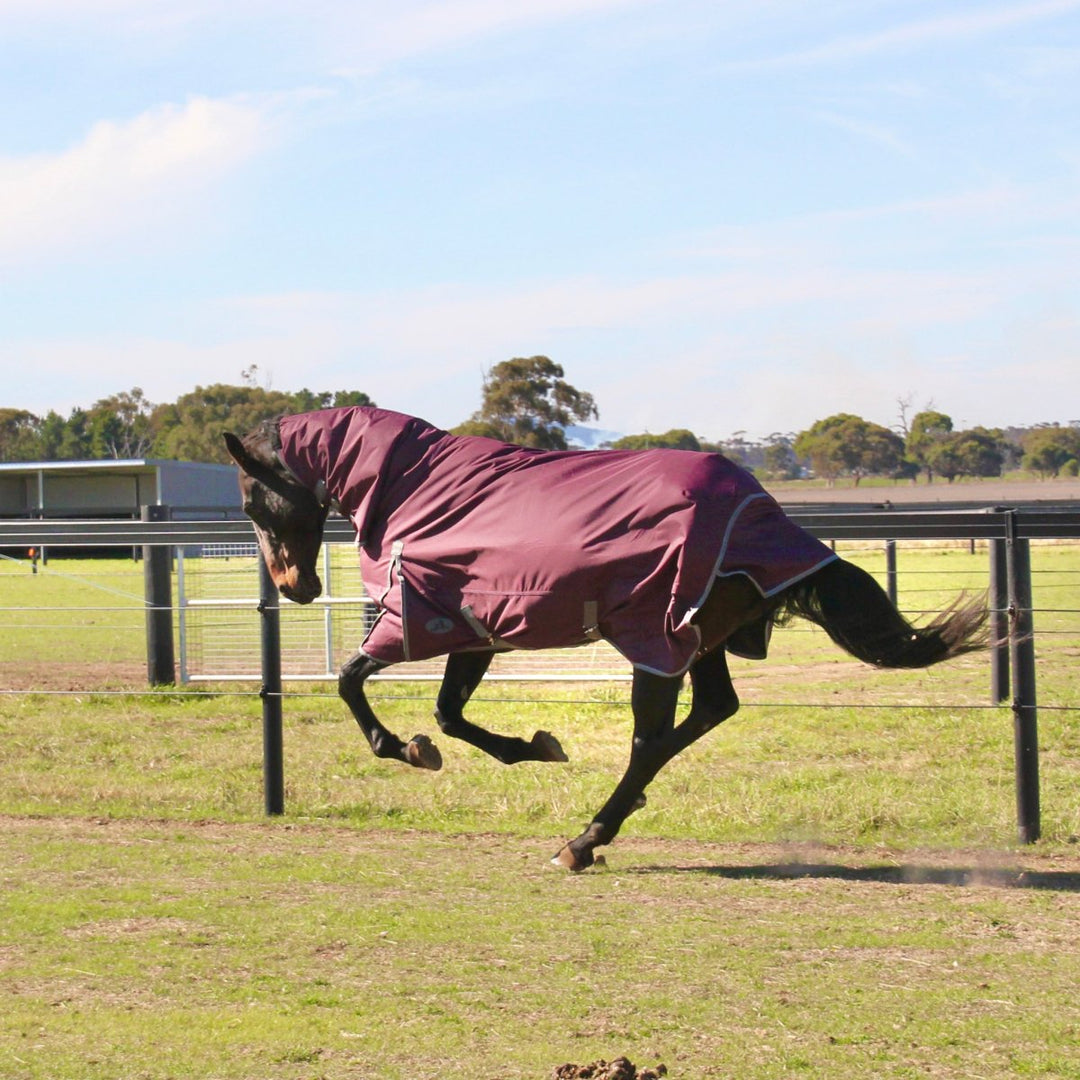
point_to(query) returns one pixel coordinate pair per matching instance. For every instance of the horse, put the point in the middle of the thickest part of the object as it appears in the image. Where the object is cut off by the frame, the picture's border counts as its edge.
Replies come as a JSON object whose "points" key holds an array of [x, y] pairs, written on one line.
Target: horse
{"points": [[470, 547]]}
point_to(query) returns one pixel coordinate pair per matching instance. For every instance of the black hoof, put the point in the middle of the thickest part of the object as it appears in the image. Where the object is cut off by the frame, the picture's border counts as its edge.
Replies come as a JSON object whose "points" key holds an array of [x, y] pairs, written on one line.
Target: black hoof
{"points": [[568, 860], [423, 753], [547, 747]]}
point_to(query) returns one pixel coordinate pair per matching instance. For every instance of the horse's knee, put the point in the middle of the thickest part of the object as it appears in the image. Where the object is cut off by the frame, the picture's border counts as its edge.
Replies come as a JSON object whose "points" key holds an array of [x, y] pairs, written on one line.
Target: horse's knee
{"points": [[717, 705], [707, 711], [346, 684], [710, 712], [449, 723], [714, 696]]}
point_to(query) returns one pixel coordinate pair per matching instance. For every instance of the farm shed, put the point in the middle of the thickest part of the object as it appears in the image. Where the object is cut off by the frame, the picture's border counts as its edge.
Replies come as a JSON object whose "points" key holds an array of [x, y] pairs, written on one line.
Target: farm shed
{"points": [[115, 489]]}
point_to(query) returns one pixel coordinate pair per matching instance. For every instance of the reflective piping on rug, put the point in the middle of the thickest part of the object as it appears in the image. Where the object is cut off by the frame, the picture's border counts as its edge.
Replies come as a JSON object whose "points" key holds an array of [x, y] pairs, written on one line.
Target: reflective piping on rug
{"points": [[397, 572]]}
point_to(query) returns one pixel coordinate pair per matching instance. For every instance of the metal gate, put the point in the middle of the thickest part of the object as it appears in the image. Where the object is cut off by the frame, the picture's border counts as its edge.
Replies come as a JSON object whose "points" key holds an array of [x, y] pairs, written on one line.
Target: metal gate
{"points": [[219, 640]]}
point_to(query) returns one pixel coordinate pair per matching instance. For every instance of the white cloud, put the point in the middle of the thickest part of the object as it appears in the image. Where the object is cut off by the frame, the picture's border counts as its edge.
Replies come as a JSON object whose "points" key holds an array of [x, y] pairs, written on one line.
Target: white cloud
{"points": [[373, 33], [658, 353], [435, 25], [368, 39], [1002, 214], [875, 133], [927, 31], [123, 175], [38, 9], [767, 327], [772, 348]]}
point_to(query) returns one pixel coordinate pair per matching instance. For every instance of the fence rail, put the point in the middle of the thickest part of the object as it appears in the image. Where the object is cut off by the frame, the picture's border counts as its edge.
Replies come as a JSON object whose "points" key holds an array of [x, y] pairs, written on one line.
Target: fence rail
{"points": [[988, 524]]}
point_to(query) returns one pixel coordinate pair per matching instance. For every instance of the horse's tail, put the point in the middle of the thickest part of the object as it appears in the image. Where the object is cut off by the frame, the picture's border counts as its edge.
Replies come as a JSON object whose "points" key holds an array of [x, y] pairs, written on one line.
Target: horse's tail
{"points": [[854, 610]]}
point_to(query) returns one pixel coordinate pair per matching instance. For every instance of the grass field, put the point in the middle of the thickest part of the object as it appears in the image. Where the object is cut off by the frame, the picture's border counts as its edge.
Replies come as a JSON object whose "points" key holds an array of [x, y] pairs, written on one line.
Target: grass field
{"points": [[825, 886]]}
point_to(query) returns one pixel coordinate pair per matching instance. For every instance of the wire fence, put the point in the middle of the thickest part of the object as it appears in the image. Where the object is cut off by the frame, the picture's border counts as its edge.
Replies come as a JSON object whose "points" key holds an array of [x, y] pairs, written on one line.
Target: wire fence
{"points": [[72, 626], [68, 628]]}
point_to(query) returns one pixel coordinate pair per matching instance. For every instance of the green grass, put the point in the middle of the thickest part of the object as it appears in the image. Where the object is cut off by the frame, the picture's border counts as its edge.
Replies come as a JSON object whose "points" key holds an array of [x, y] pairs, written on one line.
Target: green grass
{"points": [[911, 776], [201, 950], [817, 889], [90, 609]]}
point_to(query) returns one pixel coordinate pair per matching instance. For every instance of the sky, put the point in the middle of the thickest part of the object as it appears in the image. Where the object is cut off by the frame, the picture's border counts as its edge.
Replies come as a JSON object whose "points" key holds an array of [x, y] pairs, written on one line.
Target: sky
{"points": [[722, 215]]}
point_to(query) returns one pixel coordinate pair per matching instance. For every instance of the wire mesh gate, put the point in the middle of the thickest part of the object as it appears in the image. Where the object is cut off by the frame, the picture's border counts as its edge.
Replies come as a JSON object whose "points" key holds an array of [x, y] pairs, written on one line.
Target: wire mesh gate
{"points": [[219, 641]]}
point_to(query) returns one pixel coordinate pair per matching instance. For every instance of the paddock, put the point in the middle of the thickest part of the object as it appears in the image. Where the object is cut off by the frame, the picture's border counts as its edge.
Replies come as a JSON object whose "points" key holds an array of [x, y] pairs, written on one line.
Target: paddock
{"points": [[829, 885]]}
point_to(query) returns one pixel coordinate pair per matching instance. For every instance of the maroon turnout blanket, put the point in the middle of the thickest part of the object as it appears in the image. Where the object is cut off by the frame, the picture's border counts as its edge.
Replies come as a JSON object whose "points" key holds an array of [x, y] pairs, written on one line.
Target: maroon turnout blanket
{"points": [[472, 543]]}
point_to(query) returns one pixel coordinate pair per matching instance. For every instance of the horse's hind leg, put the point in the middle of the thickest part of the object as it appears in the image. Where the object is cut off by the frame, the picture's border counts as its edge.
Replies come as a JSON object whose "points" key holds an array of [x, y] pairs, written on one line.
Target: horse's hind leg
{"points": [[463, 673], [419, 751], [656, 741]]}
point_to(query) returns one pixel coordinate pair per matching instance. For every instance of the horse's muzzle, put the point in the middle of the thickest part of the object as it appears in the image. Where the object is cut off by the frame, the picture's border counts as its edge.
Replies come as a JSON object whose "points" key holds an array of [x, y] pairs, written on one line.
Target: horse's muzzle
{"points": [[301, 592]]}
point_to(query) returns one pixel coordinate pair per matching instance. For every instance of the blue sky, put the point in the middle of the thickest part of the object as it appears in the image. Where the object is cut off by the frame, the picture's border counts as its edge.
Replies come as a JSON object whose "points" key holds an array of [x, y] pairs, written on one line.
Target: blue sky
{"points": [[726, 216]]}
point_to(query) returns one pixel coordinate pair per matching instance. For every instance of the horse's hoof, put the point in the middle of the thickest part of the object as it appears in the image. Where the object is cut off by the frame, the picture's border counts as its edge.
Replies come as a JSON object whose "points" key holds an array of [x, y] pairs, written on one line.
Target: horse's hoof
{"points": [[423, 753], [547, 747], [569, 861]]}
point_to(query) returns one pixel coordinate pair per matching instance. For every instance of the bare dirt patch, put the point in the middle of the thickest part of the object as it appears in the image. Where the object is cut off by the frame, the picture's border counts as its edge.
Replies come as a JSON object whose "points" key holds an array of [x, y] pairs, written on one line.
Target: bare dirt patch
{"points": [[72, 676], [1023, 868], [125, 928]]}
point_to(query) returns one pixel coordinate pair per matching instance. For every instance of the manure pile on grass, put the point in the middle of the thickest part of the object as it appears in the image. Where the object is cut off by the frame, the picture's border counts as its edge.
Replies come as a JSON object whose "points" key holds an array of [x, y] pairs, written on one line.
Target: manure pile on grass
{"points": [[619, 1069]]}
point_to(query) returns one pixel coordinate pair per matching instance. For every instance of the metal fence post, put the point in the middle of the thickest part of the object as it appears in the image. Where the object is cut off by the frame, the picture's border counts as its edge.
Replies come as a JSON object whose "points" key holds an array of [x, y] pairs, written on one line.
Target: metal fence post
{"points": [[999, 621], [273, 748], [157, 590], [890, 570], [181, 614], [1022, 664], [328, 615]]}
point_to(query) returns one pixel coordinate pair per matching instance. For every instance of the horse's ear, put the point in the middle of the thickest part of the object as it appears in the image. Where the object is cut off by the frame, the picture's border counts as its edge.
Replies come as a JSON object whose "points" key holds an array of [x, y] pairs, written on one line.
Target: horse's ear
{"points": [[253, 466], [237, 451]]}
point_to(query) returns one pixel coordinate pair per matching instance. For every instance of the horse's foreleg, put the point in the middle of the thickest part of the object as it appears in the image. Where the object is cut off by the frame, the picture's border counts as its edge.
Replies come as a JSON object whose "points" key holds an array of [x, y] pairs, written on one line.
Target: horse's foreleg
{"points": [[656, 741], [419, 751], [463, 673]]}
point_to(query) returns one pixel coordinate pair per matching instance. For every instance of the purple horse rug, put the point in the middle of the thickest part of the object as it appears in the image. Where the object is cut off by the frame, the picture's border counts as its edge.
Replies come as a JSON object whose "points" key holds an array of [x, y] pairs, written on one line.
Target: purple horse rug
{"points": [[471, 543]]}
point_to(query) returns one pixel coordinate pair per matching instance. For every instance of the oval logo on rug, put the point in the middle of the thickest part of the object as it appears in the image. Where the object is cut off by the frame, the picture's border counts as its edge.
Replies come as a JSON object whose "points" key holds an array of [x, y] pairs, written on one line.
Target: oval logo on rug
{"points": [[439, 625]]}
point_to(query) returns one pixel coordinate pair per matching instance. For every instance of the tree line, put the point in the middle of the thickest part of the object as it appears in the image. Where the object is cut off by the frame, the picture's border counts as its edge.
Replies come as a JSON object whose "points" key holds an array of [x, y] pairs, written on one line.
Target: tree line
{"points": [[847, 446], [127, 425], [528, 401]]}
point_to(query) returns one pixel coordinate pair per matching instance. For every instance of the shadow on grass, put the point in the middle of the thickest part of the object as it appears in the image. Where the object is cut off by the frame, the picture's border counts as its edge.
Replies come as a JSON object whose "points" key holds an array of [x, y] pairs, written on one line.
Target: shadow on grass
{"points": [[910, 874]]}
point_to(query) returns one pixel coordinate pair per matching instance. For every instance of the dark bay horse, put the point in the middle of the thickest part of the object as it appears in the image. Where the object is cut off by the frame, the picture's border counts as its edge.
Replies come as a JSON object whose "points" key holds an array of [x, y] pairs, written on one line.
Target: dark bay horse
{"points": [[471, 547]]}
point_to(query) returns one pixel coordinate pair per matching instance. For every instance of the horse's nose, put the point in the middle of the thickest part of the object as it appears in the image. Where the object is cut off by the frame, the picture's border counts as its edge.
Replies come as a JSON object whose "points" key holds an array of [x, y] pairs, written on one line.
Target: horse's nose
{"points": [[301, 590]]}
